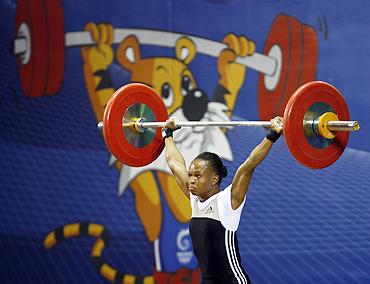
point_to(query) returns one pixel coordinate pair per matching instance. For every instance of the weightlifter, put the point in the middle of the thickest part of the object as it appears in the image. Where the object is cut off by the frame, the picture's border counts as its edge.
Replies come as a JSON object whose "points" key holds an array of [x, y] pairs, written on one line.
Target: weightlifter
{"points": [[215, 212]]}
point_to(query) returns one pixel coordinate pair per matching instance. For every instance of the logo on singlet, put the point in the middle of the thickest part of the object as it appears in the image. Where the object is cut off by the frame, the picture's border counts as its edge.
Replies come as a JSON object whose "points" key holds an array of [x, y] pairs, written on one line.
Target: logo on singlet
{"points": [[209, 210], [185, 253]]}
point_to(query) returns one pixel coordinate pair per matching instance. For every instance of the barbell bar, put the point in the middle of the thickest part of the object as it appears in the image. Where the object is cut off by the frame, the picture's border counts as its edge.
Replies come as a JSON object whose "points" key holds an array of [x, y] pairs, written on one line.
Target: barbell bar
{"points": [[343, 125], [140, 124], [316, 124]]}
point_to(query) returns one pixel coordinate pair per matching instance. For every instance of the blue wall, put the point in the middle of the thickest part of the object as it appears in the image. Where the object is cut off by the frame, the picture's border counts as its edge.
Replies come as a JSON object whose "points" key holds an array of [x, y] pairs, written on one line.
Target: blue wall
{"points": [[299, 225]]}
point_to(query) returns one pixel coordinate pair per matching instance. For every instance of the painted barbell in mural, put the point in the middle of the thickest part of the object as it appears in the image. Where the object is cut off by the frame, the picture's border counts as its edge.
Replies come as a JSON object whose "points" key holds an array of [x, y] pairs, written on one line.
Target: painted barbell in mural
{"points": [[288, 60], [316, 115]]}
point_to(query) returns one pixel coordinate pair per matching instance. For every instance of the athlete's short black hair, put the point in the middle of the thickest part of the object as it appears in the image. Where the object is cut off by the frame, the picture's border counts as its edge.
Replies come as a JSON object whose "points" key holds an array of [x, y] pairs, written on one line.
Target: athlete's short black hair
{"points": [[215, 162]]}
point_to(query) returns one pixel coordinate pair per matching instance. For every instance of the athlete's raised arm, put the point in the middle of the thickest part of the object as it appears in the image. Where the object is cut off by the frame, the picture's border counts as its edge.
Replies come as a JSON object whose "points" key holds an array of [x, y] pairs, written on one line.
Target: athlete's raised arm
{"points": [[174, 158], [245, 171]]}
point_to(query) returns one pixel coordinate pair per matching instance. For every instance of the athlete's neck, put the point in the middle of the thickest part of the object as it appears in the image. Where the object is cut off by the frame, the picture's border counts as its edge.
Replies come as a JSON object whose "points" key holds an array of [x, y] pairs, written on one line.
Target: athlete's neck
{"points": [[209, 193]]}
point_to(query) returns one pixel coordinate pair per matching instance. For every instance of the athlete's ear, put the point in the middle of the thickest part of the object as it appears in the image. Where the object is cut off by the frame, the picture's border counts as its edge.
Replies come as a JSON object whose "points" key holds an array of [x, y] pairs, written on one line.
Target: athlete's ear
{"points": [[216, 178]]}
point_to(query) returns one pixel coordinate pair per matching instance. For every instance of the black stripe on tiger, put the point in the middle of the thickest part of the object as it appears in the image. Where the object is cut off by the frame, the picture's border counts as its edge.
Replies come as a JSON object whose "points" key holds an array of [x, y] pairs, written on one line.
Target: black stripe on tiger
{"points": [[139, 280], [119, 278], [84, 228], [59, 234], [97, 262]]}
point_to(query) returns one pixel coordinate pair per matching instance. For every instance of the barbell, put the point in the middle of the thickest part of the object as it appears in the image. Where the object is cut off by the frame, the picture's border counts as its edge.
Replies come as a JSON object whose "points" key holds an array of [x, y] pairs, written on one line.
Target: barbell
{"points": [[289, 58], [316, 124]]}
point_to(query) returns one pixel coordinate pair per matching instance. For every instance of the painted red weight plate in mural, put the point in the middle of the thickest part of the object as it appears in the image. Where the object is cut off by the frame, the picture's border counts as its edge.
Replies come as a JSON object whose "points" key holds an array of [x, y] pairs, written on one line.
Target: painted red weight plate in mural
{"points": [[303, 151], [309, 55], [285, 34], [115, 138], [33, 74], [56, 45]]}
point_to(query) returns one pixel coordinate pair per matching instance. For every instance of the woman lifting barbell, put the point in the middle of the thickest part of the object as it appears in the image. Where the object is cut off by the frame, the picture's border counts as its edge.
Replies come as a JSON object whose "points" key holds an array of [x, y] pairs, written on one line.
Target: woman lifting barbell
{"points": [[215, 212]]}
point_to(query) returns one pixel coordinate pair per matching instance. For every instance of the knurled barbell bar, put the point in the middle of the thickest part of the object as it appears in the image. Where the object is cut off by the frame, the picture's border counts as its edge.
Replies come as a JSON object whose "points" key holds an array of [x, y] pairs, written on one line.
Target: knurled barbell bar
{"points": [[41, 41], [316, 115], [324, 127]]}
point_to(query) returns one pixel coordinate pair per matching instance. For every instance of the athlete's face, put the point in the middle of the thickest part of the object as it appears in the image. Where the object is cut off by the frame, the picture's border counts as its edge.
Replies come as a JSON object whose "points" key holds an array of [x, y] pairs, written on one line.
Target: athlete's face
{"points": [[202, 179]]}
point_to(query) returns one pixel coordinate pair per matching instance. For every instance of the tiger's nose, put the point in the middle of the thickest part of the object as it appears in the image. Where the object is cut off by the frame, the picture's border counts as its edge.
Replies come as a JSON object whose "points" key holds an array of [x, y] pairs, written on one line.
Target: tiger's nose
{"points": [[195, 104]]}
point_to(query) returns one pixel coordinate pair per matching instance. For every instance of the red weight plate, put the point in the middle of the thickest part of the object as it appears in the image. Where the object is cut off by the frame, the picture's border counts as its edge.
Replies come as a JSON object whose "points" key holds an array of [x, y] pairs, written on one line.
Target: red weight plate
{"points": [[115, 139], [33, 73], [306, 96], [309, 55], [286, 34], [56, 45]]}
